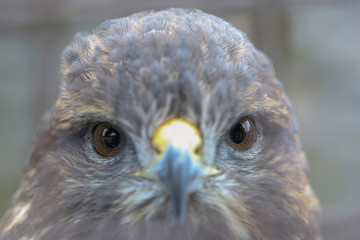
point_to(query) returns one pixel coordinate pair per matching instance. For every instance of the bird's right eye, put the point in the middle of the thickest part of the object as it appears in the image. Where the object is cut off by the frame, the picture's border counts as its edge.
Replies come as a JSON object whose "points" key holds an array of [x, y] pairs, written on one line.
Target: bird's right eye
{"points": [[242, 135], [107, 140]]}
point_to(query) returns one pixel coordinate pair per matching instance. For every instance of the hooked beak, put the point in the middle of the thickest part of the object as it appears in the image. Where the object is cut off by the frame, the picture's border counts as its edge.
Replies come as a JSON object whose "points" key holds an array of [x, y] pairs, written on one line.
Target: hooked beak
{"points": [[177, 162]]}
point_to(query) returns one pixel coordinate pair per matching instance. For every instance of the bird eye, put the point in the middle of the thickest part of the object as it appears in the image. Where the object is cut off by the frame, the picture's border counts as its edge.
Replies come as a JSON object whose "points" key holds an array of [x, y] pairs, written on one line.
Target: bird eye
{"points": [[107, 140], [242, 135]]}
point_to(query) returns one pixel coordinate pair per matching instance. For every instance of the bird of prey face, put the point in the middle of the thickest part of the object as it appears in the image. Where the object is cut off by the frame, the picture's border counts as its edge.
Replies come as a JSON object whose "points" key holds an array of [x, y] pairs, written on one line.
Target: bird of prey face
{"points": [[168, 125]]}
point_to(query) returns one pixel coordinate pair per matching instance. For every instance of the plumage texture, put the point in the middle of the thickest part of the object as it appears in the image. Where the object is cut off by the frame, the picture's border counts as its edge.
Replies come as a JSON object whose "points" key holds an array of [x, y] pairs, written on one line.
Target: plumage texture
{"points": [[136, 73]]}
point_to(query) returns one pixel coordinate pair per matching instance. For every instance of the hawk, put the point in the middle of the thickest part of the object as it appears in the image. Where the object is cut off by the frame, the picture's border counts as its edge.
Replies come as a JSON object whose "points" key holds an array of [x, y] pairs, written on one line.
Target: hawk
{"points": [[168, 125]]}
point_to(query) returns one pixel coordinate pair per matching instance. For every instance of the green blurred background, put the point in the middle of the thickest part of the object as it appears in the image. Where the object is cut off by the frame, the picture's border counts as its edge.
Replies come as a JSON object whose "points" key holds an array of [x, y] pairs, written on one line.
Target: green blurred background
{"points": [[315, 47]]}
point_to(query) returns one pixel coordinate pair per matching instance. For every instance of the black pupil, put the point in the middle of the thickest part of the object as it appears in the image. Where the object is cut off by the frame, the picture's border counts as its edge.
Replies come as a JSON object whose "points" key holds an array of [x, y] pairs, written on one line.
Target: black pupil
{"points": [[111, 137], [237, 133]]}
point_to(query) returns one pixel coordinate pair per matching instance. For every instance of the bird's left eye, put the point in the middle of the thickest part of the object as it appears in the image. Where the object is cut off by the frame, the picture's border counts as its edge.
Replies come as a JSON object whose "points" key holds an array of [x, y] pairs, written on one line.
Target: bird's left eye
{"points": [[242, 135], [107, 140]]}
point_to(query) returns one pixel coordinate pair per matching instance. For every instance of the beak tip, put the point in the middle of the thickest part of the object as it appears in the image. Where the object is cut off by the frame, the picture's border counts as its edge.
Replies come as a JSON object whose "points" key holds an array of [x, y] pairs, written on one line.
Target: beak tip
{"points": [[180, 212], [180, 219]]}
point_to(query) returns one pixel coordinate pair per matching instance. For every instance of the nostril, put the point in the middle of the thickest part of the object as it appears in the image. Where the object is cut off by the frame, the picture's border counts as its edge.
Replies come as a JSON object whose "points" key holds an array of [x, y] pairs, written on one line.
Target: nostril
{"points": [[157, 150], [197, 150]]}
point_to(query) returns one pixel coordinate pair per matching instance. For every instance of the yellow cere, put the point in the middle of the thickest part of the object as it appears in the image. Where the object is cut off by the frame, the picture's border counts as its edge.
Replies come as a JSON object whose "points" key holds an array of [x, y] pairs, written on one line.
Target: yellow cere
{"points": [[181, 133]]}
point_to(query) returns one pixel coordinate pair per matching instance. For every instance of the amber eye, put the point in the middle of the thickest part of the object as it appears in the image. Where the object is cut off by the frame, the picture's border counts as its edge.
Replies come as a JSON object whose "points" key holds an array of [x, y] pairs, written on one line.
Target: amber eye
{"points": [[107, 140], [242, 135]]}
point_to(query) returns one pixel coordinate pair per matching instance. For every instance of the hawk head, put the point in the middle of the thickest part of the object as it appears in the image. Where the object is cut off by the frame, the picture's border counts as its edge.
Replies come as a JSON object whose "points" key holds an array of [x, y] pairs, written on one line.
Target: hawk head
{"points": [[168, 125]]}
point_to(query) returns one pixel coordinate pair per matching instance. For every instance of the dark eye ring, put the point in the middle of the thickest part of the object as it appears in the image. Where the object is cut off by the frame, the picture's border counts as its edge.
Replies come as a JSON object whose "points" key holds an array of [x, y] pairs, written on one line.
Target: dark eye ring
{"points": [[242, 135], [107, 140]]}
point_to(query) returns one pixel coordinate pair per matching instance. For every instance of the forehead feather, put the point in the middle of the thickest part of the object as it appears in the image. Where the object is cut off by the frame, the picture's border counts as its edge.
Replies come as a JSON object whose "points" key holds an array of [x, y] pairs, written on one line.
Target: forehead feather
{"points": [[179, 33], [178, 60]]}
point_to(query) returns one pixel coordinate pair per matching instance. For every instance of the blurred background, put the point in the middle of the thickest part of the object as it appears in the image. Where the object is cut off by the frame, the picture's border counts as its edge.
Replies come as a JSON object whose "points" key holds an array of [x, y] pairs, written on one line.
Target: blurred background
{"points": [[314, 44]]}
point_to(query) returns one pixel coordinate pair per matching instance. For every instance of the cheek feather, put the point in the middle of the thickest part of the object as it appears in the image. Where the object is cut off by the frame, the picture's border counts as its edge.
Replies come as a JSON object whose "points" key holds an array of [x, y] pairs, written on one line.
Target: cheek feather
{"points": [[19, 214]]}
